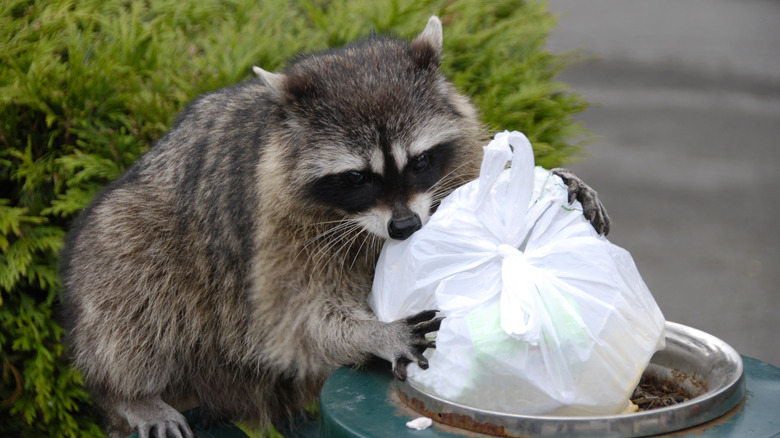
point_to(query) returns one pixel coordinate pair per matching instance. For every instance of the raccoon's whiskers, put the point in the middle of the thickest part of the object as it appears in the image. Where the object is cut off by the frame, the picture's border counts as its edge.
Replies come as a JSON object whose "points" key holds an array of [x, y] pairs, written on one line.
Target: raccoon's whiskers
{"points": [[344, 234], [447, 185], [341, 224], [345, 229], [344, 248], [444, 191], [360, 248], [335, 237], [449, 181], [373, 248]]}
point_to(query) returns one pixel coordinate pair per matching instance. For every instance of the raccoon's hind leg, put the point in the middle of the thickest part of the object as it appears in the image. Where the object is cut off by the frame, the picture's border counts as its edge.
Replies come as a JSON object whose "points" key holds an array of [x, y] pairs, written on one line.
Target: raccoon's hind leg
{"points": [[154, 418], [592, 207]]}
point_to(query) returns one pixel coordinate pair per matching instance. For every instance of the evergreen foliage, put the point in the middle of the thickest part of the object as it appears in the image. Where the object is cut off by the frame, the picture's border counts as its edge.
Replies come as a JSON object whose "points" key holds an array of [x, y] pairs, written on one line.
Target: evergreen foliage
{"points": [[86, 86]]}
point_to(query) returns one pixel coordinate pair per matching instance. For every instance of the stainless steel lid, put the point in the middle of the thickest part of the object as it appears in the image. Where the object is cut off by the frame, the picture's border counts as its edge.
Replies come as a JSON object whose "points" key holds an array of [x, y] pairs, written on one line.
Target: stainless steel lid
{"points": [[702, 364]]}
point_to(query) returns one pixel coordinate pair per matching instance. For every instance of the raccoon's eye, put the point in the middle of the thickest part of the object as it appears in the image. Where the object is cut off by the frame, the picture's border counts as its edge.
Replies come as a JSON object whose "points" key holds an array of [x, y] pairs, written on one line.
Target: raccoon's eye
{"points": [[355, 178], [421, 163]]}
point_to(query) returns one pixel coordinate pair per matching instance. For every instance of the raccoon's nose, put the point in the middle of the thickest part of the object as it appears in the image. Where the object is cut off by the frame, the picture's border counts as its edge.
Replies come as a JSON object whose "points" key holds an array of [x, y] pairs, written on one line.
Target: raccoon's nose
{"points": [[401, 228]]}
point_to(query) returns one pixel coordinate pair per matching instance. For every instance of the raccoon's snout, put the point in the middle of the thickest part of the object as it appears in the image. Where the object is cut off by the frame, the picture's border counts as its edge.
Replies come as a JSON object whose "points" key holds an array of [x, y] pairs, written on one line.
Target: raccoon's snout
{"points": [[403, 227]]}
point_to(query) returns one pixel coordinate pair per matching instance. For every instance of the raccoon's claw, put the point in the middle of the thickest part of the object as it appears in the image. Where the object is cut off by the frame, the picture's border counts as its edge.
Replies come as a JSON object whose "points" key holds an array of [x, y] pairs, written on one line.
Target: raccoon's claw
{"points": [[420, 324], [426, 325], [592, 207], [155, 419], [400, 363], [425, 315], [166, 430]]}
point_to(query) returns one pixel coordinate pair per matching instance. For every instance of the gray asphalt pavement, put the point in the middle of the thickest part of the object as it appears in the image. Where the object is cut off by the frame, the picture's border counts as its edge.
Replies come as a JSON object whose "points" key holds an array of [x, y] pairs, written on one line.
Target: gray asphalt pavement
{"points": [[686, 121]]}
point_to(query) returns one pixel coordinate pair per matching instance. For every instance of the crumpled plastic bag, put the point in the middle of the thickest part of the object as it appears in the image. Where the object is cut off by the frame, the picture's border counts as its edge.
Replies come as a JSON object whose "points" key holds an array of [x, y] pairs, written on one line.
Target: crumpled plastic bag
{"points": [[543, 315]]}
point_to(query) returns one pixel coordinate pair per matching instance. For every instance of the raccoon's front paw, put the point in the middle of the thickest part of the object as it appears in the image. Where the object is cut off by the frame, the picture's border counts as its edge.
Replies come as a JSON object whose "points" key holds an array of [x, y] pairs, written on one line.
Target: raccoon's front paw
{"points": [[592, 207], [410, 343]]}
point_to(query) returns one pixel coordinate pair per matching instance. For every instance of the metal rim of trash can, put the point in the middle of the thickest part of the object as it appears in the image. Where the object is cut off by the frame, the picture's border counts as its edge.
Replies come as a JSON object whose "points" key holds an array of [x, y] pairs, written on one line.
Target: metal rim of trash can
{"points": [[691, 357]]}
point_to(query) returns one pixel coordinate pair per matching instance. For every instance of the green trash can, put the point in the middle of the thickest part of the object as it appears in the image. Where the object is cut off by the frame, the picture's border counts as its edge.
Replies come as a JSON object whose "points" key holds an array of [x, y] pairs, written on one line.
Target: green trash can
{"points": [[362, 403]]}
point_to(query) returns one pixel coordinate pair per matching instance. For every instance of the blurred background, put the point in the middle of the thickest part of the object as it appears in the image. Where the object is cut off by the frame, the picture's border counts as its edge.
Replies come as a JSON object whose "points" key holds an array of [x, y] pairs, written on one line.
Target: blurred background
{"points": [[686, 119]]}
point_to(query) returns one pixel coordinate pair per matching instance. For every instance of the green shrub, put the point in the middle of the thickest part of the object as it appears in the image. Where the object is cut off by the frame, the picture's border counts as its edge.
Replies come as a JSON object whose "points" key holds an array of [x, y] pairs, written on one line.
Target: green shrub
{"points": [[87, 86]]}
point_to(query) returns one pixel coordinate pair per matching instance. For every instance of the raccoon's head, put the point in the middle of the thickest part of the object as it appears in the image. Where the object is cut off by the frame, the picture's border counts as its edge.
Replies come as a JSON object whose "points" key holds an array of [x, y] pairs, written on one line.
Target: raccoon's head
{"points": [[373, 134]]}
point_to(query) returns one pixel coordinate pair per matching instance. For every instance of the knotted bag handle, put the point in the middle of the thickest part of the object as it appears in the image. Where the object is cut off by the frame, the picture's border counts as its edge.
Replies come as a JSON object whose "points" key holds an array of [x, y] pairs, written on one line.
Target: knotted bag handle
{"points": [[503, 213]]}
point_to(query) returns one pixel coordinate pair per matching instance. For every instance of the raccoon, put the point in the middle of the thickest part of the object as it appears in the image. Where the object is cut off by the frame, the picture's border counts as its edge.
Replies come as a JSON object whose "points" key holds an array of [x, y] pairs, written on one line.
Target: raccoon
{"points": [[230, 265]]}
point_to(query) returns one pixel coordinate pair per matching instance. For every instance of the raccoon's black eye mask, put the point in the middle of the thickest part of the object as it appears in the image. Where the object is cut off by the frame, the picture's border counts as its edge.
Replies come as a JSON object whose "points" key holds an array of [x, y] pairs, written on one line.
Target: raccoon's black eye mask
{"points": [[358, 190], [427, 168], [352, 191]]}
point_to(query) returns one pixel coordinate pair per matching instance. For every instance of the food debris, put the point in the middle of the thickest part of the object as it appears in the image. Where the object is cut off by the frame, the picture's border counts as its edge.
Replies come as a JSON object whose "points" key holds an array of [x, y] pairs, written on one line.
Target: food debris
{"points": [[631, 408], [420, 423], [652, 393]]}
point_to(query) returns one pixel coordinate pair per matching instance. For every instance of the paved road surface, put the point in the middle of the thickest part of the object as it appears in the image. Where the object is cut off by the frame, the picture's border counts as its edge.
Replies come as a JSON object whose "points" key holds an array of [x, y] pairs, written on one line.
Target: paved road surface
{"points": [[686, 118]]}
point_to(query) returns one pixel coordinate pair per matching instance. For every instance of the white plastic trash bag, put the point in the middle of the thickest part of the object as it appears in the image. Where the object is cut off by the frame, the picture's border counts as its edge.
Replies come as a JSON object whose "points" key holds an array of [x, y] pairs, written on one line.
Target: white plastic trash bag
{"points": [[543, 315]]}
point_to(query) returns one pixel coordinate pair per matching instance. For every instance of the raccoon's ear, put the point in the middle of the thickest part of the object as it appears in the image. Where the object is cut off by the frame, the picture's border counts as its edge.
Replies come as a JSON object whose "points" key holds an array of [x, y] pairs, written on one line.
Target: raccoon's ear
{"points": [[426, 47], [271, 80], [292, 85]]}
